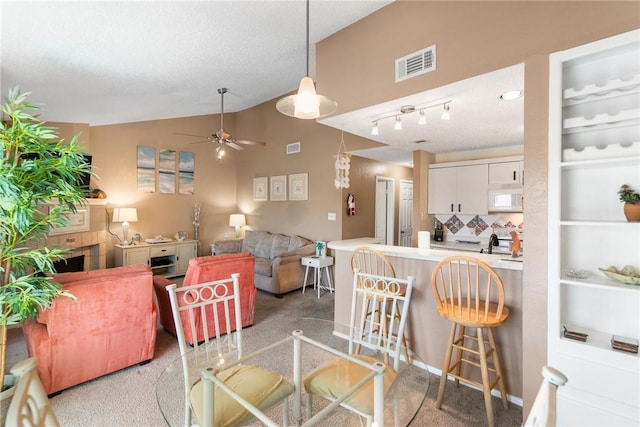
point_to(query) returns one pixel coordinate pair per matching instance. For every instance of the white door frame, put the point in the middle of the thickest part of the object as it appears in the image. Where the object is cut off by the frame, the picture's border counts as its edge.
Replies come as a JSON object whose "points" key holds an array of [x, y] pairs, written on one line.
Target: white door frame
{"points": [[384, 209]]}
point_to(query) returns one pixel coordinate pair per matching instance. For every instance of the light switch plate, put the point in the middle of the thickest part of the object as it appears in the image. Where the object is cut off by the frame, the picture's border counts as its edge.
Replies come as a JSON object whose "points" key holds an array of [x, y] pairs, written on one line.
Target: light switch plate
{"points": [[331, 216]]}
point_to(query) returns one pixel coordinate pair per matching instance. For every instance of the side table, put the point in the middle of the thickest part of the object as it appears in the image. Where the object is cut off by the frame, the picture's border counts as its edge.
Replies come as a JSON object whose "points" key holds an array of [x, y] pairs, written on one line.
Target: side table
{"points": [[317, 263]]}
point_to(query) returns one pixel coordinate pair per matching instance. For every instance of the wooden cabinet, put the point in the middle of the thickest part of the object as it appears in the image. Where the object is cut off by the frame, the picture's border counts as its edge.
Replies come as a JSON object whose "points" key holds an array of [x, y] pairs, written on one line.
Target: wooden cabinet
{"points": [[458, 189], [594, 129], [506, 173], [167, 259]]}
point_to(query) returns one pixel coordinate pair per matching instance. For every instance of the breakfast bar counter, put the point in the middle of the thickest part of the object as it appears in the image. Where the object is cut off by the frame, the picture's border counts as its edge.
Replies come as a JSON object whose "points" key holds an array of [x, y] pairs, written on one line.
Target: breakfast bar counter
{"points": [[427, 331]]}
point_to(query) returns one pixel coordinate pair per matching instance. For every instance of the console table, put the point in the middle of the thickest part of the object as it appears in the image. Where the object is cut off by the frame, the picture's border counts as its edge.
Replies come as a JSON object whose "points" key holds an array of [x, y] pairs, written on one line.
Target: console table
{"points": [[169, 259]]}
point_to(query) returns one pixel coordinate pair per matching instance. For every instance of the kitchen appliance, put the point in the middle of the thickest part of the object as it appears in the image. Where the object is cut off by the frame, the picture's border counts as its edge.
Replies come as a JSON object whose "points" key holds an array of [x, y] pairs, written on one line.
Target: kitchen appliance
{"points": [[505, 200], [438, 234]]}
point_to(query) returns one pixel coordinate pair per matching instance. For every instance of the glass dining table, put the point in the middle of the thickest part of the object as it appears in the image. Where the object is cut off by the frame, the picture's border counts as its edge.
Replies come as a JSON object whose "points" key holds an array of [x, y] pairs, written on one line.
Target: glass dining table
{"points": [[401, 402]]}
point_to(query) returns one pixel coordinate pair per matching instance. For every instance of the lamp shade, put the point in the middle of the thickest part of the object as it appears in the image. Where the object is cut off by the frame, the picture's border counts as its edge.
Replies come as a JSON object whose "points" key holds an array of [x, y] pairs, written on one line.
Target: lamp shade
{"points": [[125, 215], [237, 220]]}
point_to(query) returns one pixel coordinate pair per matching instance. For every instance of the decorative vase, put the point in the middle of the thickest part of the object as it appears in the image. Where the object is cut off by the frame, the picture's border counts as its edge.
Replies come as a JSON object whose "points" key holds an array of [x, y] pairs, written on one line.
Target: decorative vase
{"points": [[632, 211]]}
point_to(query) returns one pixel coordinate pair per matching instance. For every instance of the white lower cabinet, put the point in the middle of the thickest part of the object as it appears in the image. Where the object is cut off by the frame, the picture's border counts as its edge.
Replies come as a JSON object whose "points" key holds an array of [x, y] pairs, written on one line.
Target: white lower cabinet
{"points": [[594, 129], [167, 259]]}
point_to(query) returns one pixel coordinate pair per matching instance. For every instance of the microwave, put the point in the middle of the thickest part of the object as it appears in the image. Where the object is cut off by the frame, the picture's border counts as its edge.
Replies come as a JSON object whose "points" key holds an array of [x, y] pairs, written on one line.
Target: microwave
{"points": [[505, 200]]}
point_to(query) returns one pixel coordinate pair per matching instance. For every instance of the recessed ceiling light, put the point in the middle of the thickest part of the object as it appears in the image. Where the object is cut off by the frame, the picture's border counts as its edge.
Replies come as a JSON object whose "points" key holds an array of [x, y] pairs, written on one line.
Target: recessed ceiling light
{"points": [[511, 95]]}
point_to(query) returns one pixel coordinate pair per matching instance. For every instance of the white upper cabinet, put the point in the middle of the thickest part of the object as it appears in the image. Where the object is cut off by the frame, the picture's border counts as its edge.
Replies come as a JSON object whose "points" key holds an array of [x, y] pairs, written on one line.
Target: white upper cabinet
{"points": [[506, 173], [458, 190]]}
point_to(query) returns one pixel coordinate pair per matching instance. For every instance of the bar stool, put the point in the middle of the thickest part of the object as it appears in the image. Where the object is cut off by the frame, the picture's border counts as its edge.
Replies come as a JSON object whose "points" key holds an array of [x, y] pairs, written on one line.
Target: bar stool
{"points": [[371, 261], [470, 294]]}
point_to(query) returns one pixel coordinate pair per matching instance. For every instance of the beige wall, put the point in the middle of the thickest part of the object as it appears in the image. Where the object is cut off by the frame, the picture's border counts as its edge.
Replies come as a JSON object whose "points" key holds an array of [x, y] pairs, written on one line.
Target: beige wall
{"points": [[473, 38]]}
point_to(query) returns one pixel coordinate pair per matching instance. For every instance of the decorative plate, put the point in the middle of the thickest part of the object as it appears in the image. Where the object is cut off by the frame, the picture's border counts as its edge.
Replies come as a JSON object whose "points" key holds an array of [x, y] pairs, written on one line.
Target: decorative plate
{"points": [[627, 280]]}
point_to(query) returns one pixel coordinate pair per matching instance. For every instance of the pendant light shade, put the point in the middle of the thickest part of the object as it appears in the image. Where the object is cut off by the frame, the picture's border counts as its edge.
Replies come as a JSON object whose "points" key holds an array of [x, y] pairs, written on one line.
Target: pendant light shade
{"points": [[306, 104]]}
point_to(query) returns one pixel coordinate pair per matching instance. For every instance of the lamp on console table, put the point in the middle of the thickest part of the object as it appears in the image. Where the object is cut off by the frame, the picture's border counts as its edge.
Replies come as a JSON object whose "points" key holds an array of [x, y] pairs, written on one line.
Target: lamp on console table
{"points": [[125, 216], [238, 221]]}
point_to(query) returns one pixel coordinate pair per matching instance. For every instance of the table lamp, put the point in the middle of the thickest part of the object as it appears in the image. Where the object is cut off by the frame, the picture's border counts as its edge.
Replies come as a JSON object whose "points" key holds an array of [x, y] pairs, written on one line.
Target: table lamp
{"points": [[238, 221], [125, 216]]}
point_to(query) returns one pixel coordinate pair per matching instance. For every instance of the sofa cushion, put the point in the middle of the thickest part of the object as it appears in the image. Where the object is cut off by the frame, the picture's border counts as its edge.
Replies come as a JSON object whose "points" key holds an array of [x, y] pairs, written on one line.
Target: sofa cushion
{"points": [[263, 246], [251, 240], [296, 242], [280, 245], [263, 267], [77, 276], [227, 247]]}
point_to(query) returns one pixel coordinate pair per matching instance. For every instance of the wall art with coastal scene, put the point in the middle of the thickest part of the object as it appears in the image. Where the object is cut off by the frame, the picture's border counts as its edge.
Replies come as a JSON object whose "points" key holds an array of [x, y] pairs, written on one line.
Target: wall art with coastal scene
{"points": [[167, 171], [146, 167], [186, 172]]}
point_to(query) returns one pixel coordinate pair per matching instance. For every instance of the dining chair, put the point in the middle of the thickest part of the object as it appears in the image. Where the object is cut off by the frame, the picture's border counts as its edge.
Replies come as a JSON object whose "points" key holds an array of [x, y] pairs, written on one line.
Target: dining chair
{"points": [[470, 294], [336, 377], [30, 405], [543, 410], [370, 260], [193, 307]]}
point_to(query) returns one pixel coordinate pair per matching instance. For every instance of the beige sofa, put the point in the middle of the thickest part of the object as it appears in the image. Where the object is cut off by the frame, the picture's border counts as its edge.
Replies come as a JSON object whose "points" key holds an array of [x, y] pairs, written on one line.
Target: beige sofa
{"points": [[277, 268]]}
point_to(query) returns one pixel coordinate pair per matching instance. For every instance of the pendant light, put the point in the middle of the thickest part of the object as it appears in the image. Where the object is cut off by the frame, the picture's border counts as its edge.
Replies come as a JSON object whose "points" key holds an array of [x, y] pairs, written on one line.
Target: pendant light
{"points": [[306, 104]]}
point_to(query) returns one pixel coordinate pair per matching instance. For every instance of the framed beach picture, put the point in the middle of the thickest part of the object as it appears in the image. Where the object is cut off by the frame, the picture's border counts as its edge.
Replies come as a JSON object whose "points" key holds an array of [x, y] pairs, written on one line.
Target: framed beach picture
{"points": [[167, 171], [146, 168], [260, 188], [298, 186], [186, 172], [279, 188]]}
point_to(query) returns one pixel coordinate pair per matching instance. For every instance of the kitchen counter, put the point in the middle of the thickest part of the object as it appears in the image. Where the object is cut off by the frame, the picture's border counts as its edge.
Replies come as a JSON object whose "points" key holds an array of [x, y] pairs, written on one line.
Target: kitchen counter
{"points": [[427, 331], [465, 246]]}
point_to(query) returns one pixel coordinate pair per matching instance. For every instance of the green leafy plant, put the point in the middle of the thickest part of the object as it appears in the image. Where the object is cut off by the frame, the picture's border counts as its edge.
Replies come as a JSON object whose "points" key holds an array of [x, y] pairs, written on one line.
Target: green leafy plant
{"points": [[628, 195], [40, 183]]}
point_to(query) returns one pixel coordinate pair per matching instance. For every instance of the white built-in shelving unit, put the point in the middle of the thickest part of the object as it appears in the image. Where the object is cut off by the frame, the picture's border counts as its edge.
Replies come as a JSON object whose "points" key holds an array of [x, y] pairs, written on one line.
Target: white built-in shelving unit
{"points": [[594, 147]]}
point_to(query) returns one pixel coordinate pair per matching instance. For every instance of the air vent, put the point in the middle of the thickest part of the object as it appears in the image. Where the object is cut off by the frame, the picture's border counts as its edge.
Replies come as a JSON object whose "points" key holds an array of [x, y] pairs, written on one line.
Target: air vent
{"points": [[294, 147], [416, 63]]}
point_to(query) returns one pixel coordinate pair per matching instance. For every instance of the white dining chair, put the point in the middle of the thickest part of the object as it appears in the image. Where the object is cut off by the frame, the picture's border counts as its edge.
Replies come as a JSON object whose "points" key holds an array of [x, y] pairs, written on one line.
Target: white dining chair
{"points": [[336, 377], [30, 405], [543, 410], [193, 307]]}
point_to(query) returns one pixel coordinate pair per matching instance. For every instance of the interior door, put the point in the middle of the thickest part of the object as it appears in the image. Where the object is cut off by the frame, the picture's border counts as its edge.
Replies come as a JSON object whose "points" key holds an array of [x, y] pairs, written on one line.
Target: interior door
{"points": [[384, 218], [405, 224]]}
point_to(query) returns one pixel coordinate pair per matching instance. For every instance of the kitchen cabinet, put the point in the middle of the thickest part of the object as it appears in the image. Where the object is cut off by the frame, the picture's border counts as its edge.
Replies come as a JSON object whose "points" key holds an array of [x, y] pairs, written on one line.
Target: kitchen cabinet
{"points": [[458, 189], [169, 259], [594, 129], [506, 173]]}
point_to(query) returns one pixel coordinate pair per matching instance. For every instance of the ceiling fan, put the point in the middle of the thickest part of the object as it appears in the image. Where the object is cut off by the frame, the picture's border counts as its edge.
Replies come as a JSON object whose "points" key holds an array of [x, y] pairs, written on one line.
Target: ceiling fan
{"points": [[222, 137]]}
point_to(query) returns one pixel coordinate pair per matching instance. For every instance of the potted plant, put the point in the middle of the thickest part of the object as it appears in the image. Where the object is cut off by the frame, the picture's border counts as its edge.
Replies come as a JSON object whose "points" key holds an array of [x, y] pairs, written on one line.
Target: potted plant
{"points": [[631, 200], [40, 182]]}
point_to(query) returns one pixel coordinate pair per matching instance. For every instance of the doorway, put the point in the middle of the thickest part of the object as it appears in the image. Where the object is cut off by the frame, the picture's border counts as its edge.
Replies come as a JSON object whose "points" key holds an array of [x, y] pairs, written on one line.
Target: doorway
{"points": [[385, 196], [405, 222]]}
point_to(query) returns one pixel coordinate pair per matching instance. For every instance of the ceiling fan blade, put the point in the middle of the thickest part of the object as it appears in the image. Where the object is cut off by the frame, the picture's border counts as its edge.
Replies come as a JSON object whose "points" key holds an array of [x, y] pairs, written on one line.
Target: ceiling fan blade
{"points": [[234, 145], [247, 142], [200, 142], [188, 134]]}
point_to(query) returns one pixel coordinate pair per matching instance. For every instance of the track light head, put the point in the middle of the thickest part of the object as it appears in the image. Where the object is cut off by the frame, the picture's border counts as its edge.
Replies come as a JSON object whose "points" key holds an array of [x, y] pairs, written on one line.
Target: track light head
{"points": [[398, 124], [374, 129]]}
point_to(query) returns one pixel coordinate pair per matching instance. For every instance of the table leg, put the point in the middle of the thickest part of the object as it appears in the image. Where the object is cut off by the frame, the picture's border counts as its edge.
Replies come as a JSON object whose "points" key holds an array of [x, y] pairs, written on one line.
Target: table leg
{"points": [[318, 279], [328, 272], [304, 284]]}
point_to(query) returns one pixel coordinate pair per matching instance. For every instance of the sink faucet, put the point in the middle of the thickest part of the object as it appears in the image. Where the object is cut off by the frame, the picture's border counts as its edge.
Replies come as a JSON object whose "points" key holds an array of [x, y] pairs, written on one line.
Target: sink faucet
{"points": [[493, 241]]}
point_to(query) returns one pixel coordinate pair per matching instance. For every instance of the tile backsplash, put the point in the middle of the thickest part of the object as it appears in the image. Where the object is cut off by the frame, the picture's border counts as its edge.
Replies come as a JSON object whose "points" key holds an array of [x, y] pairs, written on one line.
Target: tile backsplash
{"points": [[502, 224]]}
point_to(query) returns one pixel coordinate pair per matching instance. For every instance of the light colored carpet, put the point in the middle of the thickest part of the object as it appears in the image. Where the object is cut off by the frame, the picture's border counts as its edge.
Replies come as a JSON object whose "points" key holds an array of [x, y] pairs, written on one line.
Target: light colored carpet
{"points": [[128, 397]]}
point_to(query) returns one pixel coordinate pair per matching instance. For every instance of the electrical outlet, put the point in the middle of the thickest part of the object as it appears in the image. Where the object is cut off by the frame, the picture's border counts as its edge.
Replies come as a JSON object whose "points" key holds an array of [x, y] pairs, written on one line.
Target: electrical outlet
{"points": [[331, 216]]}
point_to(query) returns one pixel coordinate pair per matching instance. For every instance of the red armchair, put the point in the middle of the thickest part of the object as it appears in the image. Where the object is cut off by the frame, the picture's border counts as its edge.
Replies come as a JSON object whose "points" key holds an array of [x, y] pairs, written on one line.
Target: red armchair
{"points": [[208, 269], [111, 325]]}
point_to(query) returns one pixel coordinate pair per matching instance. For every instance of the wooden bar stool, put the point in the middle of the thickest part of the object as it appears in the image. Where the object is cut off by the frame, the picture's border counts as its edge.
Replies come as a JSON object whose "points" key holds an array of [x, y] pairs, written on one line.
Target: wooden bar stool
{"points": [[470, 294]]}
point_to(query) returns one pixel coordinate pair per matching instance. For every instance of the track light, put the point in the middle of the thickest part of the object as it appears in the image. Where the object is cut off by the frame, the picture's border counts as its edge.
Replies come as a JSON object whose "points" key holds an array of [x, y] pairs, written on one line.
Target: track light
{"points": [[374, 129], [422, 120], [446, 114], [398, 125]]}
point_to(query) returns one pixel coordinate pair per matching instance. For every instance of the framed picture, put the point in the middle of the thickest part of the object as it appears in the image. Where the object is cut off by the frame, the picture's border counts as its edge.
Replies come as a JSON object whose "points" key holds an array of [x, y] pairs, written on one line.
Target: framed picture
{"points": [[146, 168], [78, 221], [279, 188], [186, 172], [167, 171], [260, 189], [298, 186]]}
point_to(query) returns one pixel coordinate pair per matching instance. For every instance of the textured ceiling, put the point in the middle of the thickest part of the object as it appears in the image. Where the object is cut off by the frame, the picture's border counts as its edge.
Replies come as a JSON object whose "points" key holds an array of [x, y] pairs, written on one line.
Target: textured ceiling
{"points": [[104, 62]]}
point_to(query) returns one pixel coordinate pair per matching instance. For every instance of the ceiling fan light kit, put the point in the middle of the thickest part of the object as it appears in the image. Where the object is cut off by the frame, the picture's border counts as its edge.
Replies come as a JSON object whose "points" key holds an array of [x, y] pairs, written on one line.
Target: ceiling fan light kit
{"points": [[306, 103]]}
